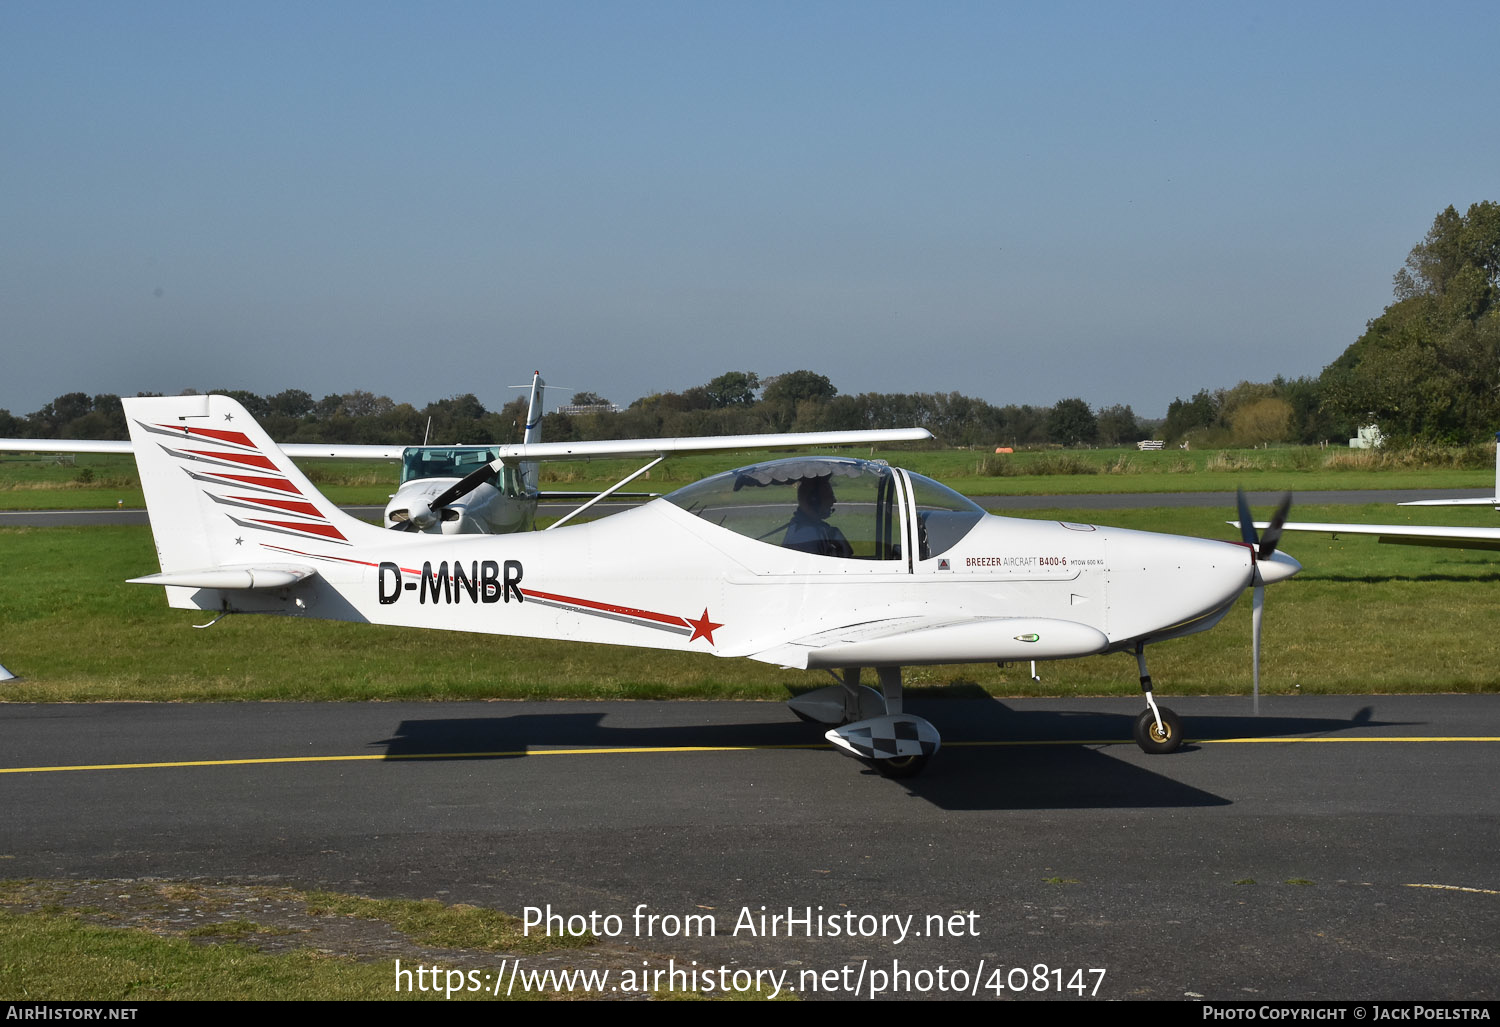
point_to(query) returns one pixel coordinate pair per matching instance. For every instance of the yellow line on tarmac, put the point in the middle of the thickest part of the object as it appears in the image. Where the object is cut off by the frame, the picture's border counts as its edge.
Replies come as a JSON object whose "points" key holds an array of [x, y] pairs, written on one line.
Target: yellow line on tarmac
{"points": [[1226, 741], [1455, 887], [643, 750], [406, 756], [1373, 738]]}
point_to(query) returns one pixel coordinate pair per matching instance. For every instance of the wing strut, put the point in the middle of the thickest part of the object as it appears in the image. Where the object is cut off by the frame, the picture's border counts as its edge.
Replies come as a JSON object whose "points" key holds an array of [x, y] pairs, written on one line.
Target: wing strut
{"points": [[606, 493]]}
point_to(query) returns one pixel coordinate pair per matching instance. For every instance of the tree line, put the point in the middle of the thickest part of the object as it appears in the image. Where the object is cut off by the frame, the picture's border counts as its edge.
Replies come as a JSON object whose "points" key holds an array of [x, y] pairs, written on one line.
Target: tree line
{"points": [[734, 403]]}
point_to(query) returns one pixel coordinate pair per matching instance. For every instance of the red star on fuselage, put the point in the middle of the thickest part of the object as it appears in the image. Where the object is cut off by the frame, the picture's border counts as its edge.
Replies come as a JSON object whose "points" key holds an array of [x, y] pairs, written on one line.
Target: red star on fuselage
{"points": [[703, 627]]}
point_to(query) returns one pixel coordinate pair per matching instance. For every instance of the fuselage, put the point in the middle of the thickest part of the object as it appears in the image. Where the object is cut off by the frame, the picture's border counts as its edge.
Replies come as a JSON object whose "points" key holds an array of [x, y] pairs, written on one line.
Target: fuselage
{"points": [[661, 577]]}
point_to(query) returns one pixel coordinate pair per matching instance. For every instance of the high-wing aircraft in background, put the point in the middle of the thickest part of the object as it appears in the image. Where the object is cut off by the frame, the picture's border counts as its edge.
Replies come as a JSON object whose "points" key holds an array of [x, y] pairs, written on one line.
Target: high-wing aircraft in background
{"points": [[1420, 534], [466, 490], [806, 562]]}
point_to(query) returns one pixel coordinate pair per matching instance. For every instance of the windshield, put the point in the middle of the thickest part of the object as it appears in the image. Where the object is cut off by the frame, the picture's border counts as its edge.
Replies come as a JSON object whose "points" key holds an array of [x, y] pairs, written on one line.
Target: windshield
{"points": [[943, 516], [825, 506], [419, 462]]}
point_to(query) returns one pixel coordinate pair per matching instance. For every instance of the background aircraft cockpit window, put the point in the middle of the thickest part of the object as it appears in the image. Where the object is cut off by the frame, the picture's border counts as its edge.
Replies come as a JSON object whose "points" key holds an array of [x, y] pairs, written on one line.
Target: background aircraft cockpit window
{"points": [[443, 461], [943, 516], [761, 502]]}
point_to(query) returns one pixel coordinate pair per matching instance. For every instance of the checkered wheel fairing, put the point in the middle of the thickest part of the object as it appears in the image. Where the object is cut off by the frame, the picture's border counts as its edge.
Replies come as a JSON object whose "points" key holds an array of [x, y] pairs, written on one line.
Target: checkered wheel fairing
{"points": [[892, 736]]}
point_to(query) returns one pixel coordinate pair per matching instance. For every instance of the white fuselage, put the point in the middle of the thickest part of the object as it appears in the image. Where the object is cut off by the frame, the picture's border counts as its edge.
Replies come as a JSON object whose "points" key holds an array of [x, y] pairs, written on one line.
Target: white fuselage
{"points": [[660, 577]]}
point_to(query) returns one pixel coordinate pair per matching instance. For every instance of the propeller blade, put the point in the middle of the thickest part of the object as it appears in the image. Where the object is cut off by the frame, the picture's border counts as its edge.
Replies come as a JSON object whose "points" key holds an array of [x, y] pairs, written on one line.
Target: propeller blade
{"points": [[1247, 523], [1272, 536], [1258, 603], [462, 487]]}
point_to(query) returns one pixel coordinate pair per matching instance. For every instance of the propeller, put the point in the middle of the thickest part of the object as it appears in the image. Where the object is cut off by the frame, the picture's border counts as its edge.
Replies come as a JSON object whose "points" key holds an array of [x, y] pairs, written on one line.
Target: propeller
{"points": [[421, 515], [1264, 547]]}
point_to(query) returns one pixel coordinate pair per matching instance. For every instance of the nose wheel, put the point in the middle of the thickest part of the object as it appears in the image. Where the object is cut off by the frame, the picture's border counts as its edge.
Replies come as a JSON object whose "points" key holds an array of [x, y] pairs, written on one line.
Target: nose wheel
{"points": [[1158, 737], [1157, 729]]}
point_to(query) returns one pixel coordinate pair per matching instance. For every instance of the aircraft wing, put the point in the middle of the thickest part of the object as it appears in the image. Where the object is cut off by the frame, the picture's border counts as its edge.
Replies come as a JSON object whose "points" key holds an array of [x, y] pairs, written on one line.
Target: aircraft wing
{"points": [[1404, 534], [63, 446], [535, 450], [342, 452], [705, 444], [291, 449]]}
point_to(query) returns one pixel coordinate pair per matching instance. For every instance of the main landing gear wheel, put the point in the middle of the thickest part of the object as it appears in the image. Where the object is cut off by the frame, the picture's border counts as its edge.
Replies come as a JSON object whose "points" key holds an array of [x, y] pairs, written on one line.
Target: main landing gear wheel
{"points": [[1155, 739], [902, 766]]}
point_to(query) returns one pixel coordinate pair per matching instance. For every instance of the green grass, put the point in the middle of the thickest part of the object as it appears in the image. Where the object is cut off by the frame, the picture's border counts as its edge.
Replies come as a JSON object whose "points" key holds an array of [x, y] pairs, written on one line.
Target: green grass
{"points": [[1362, 617], [58, 958], [59, 943], [145, 940], [429, 922]]}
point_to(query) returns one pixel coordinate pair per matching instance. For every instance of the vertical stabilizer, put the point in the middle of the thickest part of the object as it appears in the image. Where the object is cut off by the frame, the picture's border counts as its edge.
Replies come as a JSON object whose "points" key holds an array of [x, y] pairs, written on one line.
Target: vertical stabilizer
{"points": [[529, 469], [220, 492]]}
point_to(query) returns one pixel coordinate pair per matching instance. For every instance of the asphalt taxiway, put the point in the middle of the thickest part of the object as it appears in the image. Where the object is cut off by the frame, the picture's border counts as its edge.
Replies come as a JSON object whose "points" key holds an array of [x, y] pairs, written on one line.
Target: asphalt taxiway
{"points": [[1333, 847]]}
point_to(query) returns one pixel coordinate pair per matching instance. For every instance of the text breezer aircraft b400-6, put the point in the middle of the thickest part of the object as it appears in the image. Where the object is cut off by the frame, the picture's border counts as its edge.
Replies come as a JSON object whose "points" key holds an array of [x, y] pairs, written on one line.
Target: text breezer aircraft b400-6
{"points": [[807, 562]]}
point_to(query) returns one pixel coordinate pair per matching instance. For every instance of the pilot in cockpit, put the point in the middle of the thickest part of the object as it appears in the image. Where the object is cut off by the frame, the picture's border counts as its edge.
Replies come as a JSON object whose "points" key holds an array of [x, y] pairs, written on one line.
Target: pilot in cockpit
{"points": [[809, 530]]}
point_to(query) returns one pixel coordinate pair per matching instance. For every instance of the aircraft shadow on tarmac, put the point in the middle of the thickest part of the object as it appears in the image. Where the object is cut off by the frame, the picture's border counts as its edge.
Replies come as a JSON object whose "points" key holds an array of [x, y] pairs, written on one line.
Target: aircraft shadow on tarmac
{"points": [[994, 757]]}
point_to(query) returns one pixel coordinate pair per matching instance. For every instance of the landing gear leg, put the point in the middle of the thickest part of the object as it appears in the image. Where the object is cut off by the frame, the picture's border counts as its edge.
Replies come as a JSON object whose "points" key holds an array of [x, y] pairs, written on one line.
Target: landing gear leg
{"points": [[1157, 729], [897, 743]]}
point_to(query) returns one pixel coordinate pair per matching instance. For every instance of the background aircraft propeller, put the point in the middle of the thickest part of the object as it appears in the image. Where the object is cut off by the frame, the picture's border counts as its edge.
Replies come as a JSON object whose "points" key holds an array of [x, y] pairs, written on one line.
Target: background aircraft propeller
{"points": [[1264, 547], [420, 516]]}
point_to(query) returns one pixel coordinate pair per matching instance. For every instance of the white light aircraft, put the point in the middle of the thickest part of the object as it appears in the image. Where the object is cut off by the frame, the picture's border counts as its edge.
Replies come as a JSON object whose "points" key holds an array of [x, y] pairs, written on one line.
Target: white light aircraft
{"points": [[807, 562], [466, 490]]}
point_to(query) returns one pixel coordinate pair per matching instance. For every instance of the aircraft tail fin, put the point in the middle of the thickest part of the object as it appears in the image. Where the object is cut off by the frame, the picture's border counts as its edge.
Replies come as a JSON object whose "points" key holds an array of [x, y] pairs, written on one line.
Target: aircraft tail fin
{"points": [[529, 470], [225, 502]]}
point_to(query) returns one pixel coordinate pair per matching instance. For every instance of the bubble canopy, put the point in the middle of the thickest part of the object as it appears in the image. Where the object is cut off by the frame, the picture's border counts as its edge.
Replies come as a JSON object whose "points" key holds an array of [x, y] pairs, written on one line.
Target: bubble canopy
{"points": [[832, 506]]}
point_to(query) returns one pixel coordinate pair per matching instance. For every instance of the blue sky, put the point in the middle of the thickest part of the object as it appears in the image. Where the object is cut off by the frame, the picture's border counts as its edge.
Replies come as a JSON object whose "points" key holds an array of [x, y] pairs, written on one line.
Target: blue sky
{"points": [[1020, 202]]}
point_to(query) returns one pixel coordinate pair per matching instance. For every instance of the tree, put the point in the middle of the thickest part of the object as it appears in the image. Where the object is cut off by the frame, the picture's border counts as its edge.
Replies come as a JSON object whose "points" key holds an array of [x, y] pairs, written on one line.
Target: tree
{"points": [[795, 386], [1429, 366], [1118, 426], [733, 388], [1072, 423], [291, 403], [1185, 416], [1261, 421]]}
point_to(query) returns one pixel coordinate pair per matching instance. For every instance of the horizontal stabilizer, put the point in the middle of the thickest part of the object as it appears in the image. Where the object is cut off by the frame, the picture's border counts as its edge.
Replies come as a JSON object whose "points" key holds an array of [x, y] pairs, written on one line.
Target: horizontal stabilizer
{"points": [[233, 577]]}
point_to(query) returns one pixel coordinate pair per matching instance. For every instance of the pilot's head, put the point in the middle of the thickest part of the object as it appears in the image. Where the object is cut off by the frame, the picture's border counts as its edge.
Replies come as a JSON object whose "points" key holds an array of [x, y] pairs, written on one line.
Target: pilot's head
{"points": [[815, 496]]}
